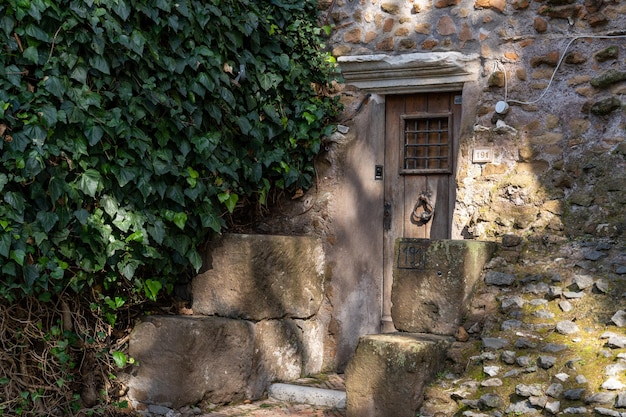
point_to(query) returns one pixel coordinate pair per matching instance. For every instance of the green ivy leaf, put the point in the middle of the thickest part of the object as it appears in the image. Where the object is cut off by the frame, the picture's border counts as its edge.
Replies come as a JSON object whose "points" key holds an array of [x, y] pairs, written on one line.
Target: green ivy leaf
{"points": [[4, 180], [228, 97], [121, 9], [79, 73], [211, 221], [156, 230], [119, 358], [310, 118], [229, 200], [5, 244], [180, 219], [124, 175], [47, 220], [7, 24], [98, 62], [152, 288], [15, 200], [18, 256], [31, 273], [109, 204], [244, 124], [267, 80], [195, 259], [49, 115], [31, 54], [127, 267], [137, 42], [89, 182], [55, 86], [94, 134], [135, 237], [36, 32]]}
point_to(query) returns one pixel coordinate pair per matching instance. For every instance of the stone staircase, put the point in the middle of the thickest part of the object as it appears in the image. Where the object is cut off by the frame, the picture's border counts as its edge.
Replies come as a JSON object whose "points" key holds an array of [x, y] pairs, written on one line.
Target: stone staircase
{"points": [[540, 332], [256, 321]]}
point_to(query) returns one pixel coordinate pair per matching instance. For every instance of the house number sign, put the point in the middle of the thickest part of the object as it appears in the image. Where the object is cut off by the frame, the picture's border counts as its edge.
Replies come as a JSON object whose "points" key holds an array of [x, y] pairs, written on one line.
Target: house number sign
{"points": [[482, 155], [412, 253]]}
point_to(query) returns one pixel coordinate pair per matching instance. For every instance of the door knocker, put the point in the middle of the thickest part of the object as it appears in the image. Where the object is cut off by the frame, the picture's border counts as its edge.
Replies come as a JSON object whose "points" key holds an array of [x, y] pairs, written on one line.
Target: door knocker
{"points": [[423, 210]]}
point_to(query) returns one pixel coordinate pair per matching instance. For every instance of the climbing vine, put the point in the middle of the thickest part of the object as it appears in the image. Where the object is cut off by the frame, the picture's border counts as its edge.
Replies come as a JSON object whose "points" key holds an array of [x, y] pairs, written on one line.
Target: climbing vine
{"points": [[128, 130]]}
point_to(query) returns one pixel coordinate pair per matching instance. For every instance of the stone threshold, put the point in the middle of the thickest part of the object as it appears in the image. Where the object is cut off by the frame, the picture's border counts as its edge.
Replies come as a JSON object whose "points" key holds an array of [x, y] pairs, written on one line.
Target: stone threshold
{"points": [[302, 394]]}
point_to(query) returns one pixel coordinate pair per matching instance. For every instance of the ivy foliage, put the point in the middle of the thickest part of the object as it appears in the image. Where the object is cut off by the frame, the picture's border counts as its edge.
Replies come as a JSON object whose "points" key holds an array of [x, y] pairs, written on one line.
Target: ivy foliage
{"points": [[129, 128]]}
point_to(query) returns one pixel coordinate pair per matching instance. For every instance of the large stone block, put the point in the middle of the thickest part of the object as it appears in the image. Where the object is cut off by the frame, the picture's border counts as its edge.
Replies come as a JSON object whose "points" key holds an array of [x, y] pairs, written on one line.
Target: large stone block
{"points": [[278, 352], [389, 372], [433, 283], [184, 359], [260, 277]]}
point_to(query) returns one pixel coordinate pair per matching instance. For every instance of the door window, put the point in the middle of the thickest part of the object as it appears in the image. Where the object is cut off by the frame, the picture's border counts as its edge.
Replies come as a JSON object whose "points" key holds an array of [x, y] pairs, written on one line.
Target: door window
{"points": [[426, 146]]}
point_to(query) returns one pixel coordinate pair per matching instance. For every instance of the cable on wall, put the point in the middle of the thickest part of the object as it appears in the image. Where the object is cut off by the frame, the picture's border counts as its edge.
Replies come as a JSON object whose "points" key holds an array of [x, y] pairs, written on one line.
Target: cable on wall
{"points": [[504, 104]]}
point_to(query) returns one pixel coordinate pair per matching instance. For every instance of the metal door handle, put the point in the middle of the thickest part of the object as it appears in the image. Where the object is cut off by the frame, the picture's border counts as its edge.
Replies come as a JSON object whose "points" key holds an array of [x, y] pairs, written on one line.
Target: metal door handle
{"points": [[427, 209]]}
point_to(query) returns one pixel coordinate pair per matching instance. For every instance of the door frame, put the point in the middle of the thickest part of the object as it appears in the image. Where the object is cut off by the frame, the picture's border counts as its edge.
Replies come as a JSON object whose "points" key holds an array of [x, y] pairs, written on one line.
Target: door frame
{"points": [[382, 75]]}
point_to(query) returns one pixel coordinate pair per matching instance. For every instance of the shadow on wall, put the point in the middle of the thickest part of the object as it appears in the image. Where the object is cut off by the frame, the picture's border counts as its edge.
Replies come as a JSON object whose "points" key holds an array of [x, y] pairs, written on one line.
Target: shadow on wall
{"points": [[345, 211], [354, 248]]}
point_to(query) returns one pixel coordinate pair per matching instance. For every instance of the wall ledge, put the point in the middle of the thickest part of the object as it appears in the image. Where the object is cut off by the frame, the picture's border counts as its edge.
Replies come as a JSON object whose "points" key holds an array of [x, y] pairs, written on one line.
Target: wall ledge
{"points": [[409, 73]]}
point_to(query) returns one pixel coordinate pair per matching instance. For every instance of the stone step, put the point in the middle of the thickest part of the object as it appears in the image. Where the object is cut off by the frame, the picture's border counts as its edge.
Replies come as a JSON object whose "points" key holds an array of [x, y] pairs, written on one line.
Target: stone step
{"points": [[293, 393], [389, 372], [185, 359]]}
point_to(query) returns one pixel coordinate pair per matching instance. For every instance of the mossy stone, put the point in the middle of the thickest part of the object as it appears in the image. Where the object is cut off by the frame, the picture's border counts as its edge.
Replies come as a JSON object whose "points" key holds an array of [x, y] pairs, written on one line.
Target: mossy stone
{"points": [[606, 106], [607, 53], [608, 78]]}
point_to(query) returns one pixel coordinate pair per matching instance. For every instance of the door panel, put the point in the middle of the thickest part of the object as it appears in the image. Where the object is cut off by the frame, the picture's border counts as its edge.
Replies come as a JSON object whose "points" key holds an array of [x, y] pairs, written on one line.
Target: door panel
{"points": [[420, 146], [420, 152]]}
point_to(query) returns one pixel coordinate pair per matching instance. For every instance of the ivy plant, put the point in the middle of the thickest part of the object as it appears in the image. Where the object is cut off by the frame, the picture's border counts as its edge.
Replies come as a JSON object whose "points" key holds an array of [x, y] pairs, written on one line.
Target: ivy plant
{"points": [[129, 128]]}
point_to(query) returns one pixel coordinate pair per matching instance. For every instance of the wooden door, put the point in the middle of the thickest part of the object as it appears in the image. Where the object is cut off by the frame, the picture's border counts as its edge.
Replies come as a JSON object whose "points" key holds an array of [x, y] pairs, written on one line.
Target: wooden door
{"points": [[420, 153]]}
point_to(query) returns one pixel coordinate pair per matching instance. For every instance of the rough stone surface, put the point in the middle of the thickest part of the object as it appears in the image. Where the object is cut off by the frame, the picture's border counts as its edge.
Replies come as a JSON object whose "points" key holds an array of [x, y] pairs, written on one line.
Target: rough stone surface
{"points": [[499, 278], [185, 359], [619, 318], [494, 342], [432, 299], [567, 327], [388, 373], [279, 350], [261, 277]]}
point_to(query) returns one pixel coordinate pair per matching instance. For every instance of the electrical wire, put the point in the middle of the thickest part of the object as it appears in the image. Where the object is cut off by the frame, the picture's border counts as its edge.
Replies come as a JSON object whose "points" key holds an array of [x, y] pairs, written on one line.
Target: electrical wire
{"points": [[545, 91]]}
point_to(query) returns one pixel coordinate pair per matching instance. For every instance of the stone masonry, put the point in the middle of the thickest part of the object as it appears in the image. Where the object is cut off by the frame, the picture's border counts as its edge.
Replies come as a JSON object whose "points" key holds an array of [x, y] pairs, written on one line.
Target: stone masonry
{"points": [[558, 166], [257, 317], [546, 336]]}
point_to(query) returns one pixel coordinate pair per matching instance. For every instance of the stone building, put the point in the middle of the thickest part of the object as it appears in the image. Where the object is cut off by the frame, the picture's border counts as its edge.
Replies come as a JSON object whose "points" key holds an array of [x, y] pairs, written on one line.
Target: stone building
{"points": [[463, 119]]}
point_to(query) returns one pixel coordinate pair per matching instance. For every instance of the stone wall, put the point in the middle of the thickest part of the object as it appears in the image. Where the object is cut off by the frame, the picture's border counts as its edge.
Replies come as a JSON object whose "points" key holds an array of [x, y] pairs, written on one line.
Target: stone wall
{"points": [[259, 315], [558, 162]]}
